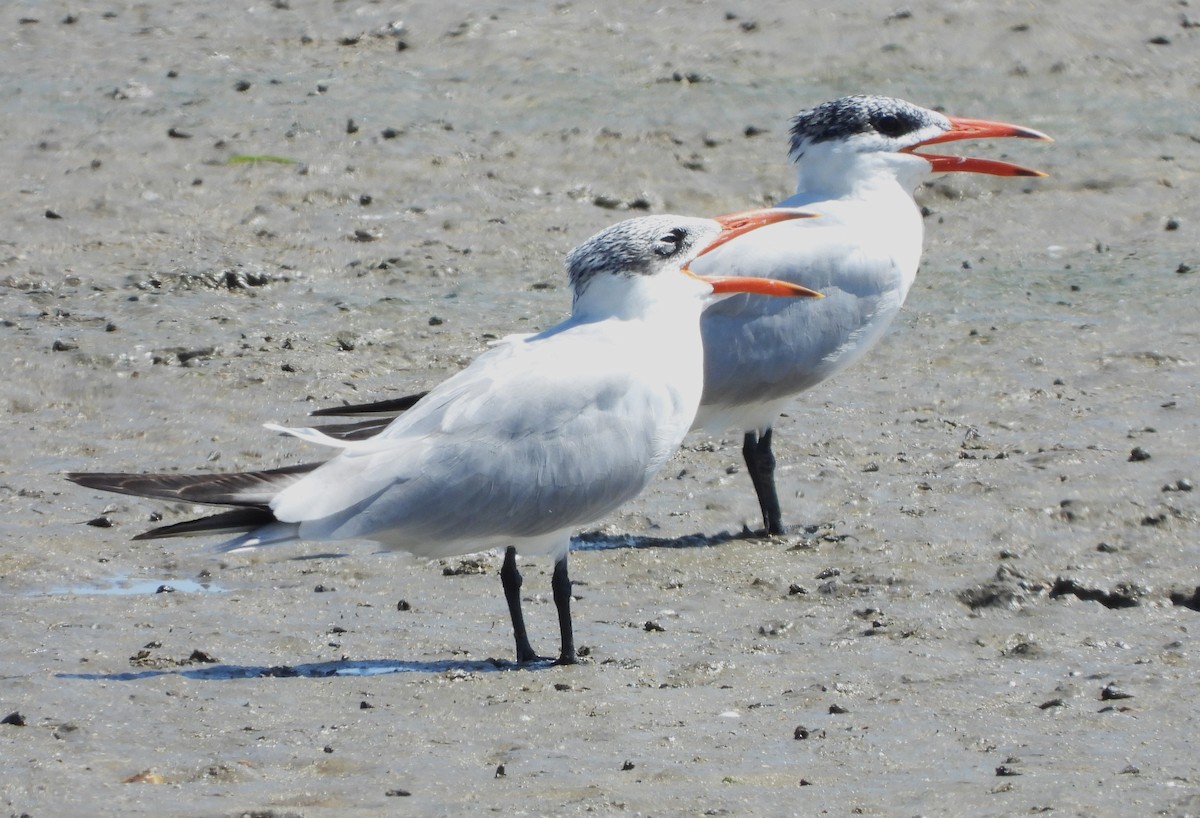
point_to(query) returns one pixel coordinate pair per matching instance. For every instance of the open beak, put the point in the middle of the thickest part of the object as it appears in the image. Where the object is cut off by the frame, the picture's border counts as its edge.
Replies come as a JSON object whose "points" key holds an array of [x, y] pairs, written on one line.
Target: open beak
{"points": [[963, 128], [737, 224]]}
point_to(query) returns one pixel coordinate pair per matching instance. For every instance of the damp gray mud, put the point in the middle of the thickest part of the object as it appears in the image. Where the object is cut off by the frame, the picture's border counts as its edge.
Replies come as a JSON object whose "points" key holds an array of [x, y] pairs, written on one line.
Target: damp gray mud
{"points": [[220, 217], [129, 586]]}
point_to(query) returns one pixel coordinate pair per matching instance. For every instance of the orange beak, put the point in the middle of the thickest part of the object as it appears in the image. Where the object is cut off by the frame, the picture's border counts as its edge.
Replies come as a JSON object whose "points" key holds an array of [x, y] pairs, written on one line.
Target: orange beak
{"points": [[737, 224], [963, 128]]}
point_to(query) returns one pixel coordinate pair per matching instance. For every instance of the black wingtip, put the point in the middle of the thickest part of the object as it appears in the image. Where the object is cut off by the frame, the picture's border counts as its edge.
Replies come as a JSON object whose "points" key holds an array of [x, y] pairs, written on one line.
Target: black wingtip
{"points": [[393, 406], [236, 521], [102, 481], [249, 489], [358, 430]]}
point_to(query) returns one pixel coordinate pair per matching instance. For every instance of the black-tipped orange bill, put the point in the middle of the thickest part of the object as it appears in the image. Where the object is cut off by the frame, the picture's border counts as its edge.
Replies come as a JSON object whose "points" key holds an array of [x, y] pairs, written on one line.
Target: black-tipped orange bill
{"points": [[737, 224], [963, 128]]}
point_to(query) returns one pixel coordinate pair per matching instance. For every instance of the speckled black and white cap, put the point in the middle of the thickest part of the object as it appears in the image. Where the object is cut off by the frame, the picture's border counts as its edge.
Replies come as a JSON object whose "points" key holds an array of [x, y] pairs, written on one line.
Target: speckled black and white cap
{"points": [[877, 123], [639, 247]]}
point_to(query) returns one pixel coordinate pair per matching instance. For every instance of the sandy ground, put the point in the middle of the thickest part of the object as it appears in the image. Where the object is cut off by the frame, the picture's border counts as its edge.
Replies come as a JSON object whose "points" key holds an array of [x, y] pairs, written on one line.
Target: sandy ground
{"points": [[986, 607]]}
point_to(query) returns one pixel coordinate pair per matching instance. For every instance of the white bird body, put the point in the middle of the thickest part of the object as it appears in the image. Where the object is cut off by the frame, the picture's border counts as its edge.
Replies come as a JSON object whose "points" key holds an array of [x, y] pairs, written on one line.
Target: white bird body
{"points": [[856, 169], [539, 435]]}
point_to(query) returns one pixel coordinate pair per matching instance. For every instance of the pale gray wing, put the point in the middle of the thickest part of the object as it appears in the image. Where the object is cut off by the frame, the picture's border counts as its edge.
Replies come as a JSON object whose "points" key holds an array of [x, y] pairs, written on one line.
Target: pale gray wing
{"points": [[520, 444]]}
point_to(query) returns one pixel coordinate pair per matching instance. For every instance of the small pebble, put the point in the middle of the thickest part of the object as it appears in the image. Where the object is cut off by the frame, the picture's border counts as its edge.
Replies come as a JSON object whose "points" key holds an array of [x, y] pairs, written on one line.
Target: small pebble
{"points": [[774, 628], [1138, 454], [1112, 692], [17, 720]]}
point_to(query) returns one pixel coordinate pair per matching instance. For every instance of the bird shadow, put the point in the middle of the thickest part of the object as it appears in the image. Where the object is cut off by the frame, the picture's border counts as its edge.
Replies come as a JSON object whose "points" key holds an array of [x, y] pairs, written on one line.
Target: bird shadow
{"points": [[313, 670], [600, 541]]}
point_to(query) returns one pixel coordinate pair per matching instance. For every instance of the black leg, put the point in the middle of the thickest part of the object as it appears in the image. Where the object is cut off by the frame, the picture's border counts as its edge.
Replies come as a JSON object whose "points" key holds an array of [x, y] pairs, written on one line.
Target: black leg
{"points": [[561, 584], [760, 462], [510, 578]]}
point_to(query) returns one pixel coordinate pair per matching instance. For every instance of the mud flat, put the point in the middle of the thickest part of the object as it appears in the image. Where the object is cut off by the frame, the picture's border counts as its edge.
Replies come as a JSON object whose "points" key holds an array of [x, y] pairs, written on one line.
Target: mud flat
{"points": [[216, 218]]}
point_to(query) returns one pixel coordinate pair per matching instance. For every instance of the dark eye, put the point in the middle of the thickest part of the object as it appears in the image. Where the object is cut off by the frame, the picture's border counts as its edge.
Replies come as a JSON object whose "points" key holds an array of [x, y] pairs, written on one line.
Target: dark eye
{"points": [[890, 125], [670, 244]]}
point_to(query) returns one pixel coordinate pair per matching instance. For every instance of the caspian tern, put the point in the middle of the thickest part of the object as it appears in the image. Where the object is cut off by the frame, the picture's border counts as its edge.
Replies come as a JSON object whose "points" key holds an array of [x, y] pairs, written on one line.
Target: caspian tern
{"points": [[541, 434], [857, 167]]}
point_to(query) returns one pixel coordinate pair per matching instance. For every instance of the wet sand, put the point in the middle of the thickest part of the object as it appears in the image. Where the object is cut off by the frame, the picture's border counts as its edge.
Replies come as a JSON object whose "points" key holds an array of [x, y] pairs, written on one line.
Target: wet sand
{"points": [[987, 603]]}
